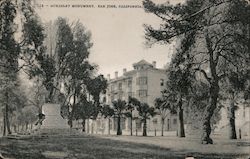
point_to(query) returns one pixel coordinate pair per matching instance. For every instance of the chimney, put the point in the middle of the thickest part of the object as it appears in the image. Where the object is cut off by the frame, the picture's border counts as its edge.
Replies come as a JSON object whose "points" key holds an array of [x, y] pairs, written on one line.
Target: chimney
{"points": [[154, 64], [108, 76], [116, 74], [124, 70]]}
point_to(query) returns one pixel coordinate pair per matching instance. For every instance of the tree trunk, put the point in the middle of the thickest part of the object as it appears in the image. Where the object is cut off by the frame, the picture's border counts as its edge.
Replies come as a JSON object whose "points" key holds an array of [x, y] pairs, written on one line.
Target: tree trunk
{"points": [[26, 126], [88, 126], [206, 127], [181, 130], [144, 127], [97, 100], [162, 126], [70, 122], [213, 91], [119, 130], [15, 128], [231, 116], [109, 126], [92, 127], [131, 126], [7, 113], [4, 123], [83, 125]]}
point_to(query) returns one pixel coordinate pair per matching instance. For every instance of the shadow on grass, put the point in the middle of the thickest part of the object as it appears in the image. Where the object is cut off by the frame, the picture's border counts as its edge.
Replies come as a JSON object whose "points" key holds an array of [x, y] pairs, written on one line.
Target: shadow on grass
{"points": [[84, 146]]}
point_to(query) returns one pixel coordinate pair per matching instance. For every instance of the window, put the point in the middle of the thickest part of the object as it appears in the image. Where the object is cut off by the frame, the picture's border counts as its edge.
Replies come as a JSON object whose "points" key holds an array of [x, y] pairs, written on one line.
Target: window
{"points": [[175, 121], [142, 93], [162, 82], [120, 86], [112, 88], [123, 123], [138, 123], [120, 96], [155, 121], [129, 83], [141, 81], [130, 94]]}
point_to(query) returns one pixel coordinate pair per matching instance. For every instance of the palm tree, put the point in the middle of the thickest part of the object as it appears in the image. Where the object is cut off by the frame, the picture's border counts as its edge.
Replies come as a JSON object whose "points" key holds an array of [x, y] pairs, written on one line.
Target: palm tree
{"points": [[163, 108], [108, 112], [144, 111], [119, 107], [130, 107]]}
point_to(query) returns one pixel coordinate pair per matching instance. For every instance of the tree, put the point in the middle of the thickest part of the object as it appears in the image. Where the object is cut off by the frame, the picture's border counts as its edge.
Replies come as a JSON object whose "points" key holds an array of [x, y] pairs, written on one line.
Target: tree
{"points": [[96, 86], [51, 60], [108, 112], [178, 89], [144, 111], [163, 108], [199, 96], [232, 89], [129, 113], [84, 110], [119, 107], [12, 103], [6, 87], [9, 55], [45, 72], [77, 69], [63, 42], [210, 41], [11, 50], [28, 115]]}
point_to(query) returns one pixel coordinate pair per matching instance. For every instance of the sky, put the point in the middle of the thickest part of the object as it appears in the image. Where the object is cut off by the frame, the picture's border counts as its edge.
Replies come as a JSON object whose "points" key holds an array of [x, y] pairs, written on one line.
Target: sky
{"points": [[117, 33]]}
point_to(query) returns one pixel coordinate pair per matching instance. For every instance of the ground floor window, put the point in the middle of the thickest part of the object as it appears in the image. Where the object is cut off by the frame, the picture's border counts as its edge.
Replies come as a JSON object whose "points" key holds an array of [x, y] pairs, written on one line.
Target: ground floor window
{"points": [[138, 124], [123, 125]]}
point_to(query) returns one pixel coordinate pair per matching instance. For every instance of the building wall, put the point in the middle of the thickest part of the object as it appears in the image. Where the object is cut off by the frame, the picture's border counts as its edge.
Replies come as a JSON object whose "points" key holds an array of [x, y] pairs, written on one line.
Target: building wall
{"points": [[242, 121], [145, 85]]}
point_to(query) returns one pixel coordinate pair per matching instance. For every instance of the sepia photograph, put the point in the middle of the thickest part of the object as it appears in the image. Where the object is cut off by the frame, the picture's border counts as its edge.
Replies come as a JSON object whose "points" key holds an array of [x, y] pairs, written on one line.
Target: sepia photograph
{"points": [[124, 79]]}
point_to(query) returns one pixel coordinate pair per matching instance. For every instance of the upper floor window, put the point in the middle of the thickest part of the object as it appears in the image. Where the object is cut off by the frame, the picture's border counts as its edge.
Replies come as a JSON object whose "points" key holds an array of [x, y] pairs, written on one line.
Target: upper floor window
{"points": [[112, 88], [141, 81], [120, 86], [129, 83]]}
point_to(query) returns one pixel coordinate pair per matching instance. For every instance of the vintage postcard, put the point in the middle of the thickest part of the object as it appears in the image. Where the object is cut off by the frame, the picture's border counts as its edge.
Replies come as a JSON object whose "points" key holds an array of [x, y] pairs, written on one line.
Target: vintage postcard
{"points": [[105, 79]]}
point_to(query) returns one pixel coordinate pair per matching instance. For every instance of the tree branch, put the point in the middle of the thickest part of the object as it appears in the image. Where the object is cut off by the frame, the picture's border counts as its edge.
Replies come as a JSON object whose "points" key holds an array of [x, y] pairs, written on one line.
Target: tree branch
{"points": [[204, 73]]}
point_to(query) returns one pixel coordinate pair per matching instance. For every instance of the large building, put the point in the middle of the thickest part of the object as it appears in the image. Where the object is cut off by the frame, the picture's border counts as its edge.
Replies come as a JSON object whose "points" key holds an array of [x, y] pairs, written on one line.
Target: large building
{"points": [[145, 82]]}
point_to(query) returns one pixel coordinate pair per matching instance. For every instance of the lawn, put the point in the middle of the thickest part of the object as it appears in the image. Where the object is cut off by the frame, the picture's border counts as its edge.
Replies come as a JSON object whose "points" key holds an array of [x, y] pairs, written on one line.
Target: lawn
{"points": [[94, 147]]}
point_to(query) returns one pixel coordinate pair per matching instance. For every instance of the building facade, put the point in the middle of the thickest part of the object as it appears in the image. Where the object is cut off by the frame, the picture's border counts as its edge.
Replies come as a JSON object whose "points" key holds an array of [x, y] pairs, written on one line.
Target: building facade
{"points": [[145, 82], [242, 120]]}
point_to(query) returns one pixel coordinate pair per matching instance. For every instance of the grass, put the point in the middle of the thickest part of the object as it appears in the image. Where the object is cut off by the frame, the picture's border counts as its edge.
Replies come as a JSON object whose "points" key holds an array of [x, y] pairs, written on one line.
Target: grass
{"points": [[90, 147]]}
